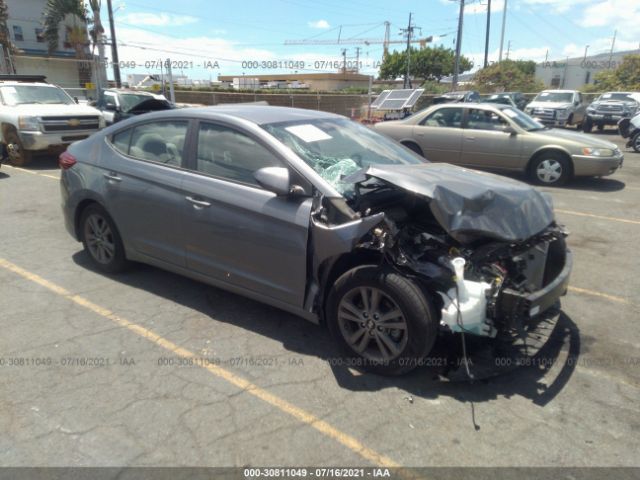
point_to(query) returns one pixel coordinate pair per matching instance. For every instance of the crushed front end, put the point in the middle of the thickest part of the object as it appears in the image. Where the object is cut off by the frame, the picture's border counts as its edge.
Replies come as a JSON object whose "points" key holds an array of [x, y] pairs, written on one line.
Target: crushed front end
{"points": [[486, 251]]}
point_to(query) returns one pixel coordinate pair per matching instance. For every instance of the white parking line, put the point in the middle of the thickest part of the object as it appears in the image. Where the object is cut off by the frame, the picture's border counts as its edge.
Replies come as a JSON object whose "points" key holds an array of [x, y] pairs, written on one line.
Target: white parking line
{"points": [[32, 172]]}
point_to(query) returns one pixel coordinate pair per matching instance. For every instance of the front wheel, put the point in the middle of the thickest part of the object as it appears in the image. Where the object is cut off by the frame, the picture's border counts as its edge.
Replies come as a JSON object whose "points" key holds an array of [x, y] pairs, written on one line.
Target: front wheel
{"points": [[551, 169], [382, 320], [587, 125], [635, 142], [17, 155], [102, 241]]}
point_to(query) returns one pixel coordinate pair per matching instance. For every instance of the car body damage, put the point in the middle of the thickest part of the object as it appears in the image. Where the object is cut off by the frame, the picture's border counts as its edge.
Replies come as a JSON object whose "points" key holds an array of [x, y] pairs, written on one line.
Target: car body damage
{"points": [[486, 250]]}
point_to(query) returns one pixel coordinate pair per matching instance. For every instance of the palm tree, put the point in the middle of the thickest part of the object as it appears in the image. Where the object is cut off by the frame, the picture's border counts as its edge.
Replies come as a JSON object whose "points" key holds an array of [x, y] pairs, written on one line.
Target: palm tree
{"points": [[55, 13], [8, 47]]}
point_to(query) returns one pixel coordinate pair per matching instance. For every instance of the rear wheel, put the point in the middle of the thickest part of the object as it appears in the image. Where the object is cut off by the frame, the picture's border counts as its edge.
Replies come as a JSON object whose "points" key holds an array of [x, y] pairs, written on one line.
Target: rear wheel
{"points": [[381, 320], [600, 128], [15, 151], [101, 240], [550, 168], [587, 125]]}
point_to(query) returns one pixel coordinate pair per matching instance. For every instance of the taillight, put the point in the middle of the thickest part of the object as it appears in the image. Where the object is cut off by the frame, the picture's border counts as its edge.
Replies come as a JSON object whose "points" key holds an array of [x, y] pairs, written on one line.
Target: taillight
{"points": [[66, 160]]}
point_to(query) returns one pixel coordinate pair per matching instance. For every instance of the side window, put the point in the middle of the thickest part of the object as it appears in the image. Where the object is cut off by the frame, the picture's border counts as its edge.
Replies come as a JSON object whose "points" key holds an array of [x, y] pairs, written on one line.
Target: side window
{"points": [[485, 120], [161, 142], [109, 99], [444, 117], [227, 153], [121, 141]]}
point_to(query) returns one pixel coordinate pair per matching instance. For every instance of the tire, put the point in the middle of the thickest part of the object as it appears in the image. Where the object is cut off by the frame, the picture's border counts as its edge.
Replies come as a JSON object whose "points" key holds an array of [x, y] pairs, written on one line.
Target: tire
{"points": [[412, 325], [600, 128], [15, 153], [587, 125], [101, 240], [414, 148], [550, 169], [635, 142]]}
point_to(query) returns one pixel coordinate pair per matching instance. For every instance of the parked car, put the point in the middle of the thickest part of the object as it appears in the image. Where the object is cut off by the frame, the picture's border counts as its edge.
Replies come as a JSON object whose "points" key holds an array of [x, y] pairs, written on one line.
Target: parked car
{"points": [[499, 99], [558, 108], [630, 128], [323, 217], [118, 104], [499, 137], [518, 98], [39, 117], [461, 96], [609, 108]]}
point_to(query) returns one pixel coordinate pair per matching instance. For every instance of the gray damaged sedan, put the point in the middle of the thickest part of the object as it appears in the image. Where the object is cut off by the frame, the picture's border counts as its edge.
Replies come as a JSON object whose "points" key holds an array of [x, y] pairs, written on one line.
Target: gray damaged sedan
{"points": [[322, 217], [502, 138]]}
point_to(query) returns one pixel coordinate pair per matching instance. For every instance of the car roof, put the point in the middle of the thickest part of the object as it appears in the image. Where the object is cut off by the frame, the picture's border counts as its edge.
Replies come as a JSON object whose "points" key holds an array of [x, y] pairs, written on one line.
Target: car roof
{"points": [[126, 90], [264, 114], [559, 91], [29, 84], [256, 114]]}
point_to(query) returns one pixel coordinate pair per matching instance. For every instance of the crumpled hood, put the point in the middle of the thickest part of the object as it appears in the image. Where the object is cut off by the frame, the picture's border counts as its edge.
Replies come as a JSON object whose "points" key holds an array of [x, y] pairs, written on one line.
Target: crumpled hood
{"points": [[469, 204], [151, 104], [550, 105]]}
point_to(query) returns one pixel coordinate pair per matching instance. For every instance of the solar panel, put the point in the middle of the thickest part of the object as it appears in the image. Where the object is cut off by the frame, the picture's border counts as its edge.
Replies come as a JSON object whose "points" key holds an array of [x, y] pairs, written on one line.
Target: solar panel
{"points": [[380, 98], [397, 99]]}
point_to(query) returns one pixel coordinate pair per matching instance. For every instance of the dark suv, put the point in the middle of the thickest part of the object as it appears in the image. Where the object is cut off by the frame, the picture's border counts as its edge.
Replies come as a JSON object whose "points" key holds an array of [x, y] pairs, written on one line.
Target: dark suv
{"points": [[609, 108]]}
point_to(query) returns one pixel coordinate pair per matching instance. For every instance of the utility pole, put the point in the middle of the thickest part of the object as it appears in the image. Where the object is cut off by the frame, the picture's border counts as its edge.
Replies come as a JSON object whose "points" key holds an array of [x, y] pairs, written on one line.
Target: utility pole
{"points": [[172, 93], [613, 44], [504, 23], [358, 59], [486, 40], [409, 31], [508, 48], [114, 47], [344, 60], [456, 67], [586, 47]]}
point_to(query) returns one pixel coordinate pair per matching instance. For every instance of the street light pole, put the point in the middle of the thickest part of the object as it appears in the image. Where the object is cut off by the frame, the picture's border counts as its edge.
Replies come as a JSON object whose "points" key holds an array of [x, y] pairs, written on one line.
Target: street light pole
{"points": [[486, 41], [504, 22]]}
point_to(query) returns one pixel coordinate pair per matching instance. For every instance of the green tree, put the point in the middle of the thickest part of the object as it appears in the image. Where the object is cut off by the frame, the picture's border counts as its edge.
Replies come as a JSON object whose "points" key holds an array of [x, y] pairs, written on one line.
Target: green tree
{"points": [[425, 63], [625, 77], [508, 75], [55, 13]]}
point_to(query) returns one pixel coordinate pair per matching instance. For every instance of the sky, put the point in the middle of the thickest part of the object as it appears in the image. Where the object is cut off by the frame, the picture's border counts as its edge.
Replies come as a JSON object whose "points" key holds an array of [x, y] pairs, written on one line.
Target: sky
{"points": [[207, 38]]}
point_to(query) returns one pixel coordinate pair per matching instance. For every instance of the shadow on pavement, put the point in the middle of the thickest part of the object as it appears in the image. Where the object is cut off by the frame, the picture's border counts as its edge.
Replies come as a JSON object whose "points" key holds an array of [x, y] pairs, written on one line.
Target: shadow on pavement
{"points": [[302, 337]]}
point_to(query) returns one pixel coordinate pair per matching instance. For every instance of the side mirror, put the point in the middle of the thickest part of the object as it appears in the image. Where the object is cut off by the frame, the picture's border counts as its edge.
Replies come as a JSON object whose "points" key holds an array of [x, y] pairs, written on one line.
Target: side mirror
{"points": [[75, 99], [277, 180], [111, 107], [509, 129]]}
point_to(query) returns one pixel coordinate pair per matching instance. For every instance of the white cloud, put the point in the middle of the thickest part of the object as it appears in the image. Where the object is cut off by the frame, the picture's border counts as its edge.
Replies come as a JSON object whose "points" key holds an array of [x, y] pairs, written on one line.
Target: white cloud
{"points": [[597, 46], [322, 24], [157, 19], [558, 6], [481, 7], [619, 14]]}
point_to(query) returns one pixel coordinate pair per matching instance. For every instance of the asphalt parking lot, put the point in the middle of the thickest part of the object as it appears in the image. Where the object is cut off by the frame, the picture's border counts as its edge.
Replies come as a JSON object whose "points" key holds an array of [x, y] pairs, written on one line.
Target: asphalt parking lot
{"points": [[105, 371]]}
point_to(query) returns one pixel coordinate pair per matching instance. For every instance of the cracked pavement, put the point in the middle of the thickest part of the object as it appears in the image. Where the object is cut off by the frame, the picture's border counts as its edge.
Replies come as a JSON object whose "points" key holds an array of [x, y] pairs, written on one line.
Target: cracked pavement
{"points": [[136, 404]]}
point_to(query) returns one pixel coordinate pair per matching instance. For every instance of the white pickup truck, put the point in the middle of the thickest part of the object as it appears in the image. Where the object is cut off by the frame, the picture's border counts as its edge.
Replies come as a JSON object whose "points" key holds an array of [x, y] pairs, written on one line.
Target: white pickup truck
{"points": [[558, 108], [39, 117]]}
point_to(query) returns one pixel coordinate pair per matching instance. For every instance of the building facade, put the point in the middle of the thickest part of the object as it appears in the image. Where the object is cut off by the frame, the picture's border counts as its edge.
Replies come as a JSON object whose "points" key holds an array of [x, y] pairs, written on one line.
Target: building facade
{"points": [[62, 67], [575, 73]]}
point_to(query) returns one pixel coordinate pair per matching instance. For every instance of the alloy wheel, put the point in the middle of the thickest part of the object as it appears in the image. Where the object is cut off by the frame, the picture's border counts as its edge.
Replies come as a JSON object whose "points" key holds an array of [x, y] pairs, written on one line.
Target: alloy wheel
{"points": [[372, 324], [549, 170], [99, 238]]}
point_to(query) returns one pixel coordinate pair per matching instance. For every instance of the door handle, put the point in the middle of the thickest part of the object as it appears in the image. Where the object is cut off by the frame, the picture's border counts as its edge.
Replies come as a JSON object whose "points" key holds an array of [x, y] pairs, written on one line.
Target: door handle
{"points": [[198, 203], [112, 177]]}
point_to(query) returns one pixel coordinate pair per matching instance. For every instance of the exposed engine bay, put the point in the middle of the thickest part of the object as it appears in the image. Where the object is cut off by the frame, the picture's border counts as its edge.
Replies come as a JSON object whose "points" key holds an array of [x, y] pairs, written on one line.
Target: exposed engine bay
{"points": [[481, 282]]}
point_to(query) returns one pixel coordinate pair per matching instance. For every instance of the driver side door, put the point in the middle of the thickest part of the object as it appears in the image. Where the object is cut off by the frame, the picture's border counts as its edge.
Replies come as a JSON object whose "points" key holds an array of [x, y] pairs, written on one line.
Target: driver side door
{"points": [[235, 231]]}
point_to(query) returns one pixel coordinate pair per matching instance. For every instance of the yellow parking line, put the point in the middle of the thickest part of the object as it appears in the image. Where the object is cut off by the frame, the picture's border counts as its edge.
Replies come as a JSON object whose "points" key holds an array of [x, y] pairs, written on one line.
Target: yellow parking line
{"points": [[594, 293], [601, 217], [298, 413], [32, 172]]}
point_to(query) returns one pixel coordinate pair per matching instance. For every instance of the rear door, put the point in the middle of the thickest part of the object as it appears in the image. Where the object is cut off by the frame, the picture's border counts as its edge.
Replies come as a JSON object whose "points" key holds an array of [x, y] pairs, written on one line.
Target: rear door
{"points": [[439, 135], [486, 144], [236, 231], [142, 174]]}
